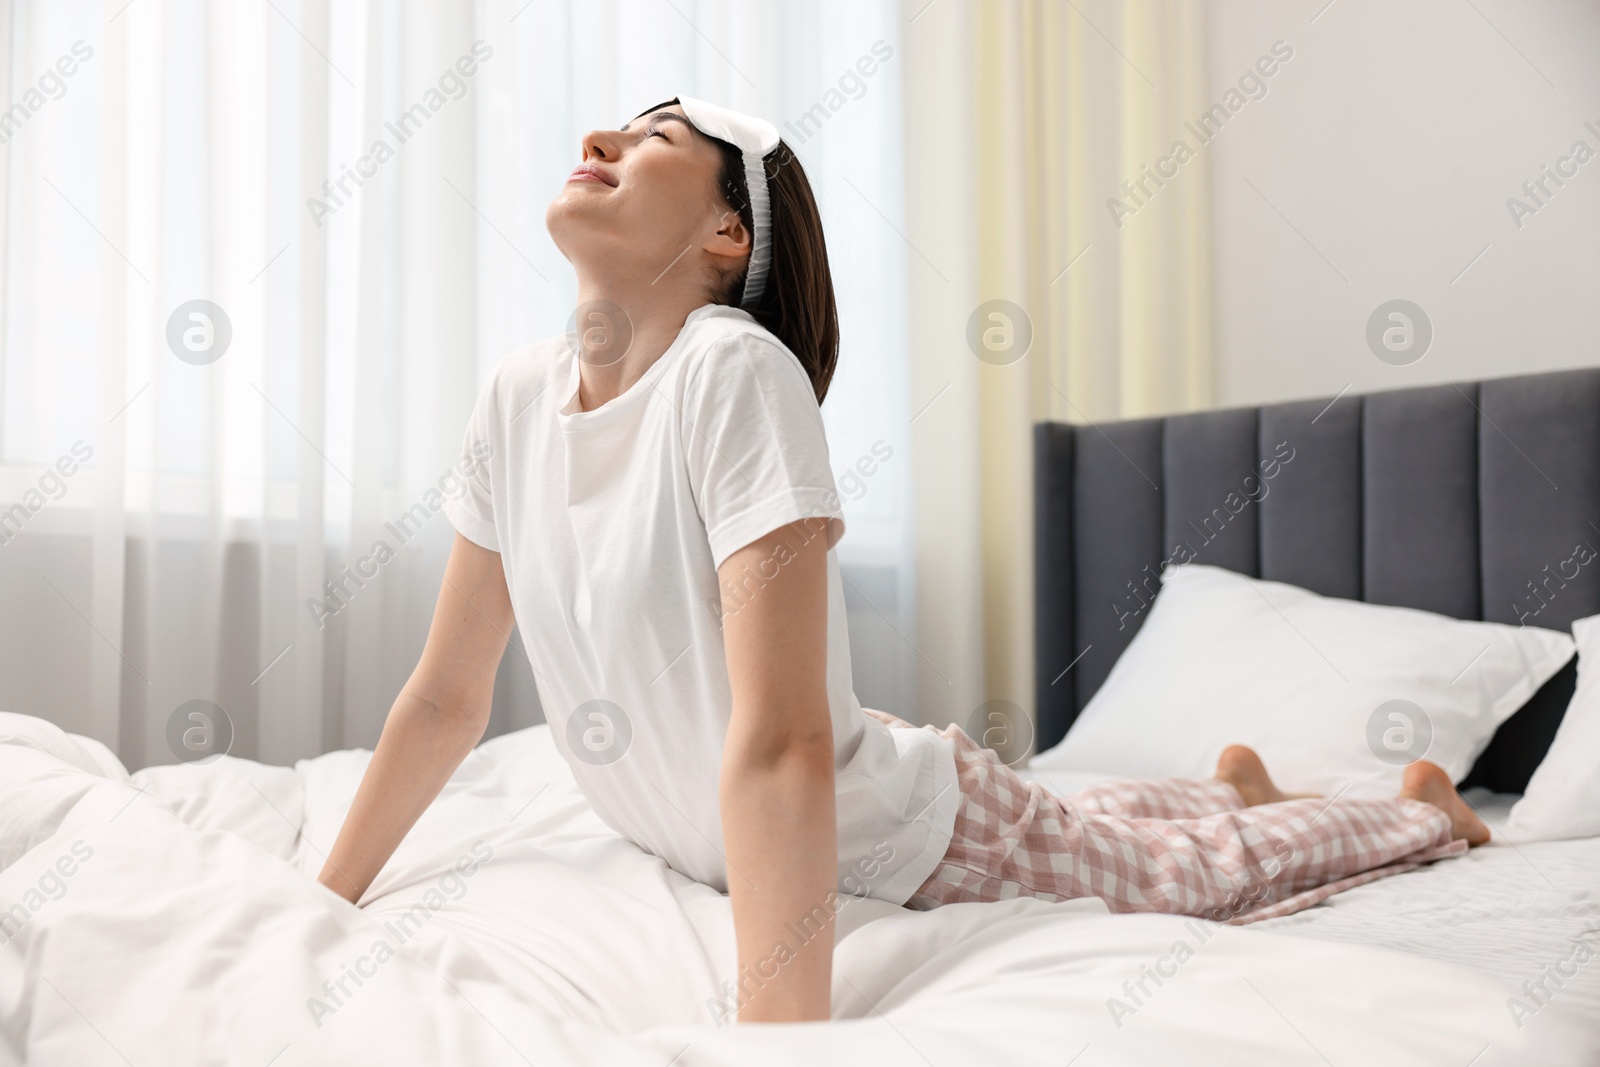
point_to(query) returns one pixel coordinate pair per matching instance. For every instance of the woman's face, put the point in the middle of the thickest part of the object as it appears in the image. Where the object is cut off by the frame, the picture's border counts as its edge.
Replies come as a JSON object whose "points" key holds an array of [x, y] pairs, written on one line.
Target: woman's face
{"points": [[642, 197]]}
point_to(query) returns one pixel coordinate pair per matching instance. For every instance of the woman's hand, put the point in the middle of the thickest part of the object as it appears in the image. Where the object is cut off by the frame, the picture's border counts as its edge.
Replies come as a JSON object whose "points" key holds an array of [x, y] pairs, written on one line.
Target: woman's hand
{"points": [[777, 787], [435, 721]]}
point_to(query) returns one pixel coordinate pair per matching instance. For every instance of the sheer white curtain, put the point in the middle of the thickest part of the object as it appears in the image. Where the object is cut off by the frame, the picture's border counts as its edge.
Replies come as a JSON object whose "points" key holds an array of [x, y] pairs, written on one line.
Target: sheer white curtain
{"points": [[235, 501]]}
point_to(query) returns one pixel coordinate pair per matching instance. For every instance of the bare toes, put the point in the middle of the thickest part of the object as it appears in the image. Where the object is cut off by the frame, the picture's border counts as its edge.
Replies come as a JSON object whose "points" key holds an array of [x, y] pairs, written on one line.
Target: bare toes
{"points": [[1429, 783]]}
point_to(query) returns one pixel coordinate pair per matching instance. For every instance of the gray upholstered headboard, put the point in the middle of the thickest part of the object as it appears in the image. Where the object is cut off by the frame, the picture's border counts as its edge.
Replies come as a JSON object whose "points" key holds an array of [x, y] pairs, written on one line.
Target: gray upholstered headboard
{"points": [[1471, 500]]}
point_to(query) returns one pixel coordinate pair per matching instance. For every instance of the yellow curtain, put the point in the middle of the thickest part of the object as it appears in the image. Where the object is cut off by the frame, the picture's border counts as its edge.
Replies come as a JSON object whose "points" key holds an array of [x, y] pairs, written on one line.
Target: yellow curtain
{"points": [[1025, 119]]}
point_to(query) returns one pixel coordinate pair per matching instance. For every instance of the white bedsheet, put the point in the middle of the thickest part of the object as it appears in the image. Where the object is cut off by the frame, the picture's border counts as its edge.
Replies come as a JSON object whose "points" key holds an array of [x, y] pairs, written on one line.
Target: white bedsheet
{"points": [[194, 933], [1515, 912]]}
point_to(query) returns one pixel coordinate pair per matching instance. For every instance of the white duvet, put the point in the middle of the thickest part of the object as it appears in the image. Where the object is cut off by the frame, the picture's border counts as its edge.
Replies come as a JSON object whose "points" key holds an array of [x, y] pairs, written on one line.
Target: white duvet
{"points": [[172, 917]]}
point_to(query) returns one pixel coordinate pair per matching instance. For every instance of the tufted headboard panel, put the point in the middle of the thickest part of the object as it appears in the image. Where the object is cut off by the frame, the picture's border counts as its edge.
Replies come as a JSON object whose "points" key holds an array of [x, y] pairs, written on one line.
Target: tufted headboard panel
{"points": [[1479, 500]]}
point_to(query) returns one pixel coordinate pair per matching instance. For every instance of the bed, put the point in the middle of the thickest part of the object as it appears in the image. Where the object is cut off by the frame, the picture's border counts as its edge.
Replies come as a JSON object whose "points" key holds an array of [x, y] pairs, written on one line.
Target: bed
{"points": [[1454, 499], [171, 915], [190, 930], [1510, 912]]}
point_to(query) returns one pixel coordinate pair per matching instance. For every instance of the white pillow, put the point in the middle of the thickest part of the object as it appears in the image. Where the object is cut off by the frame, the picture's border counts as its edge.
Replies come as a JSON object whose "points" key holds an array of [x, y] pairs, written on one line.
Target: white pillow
{"points": [[1336, 695], [1563, 797]]}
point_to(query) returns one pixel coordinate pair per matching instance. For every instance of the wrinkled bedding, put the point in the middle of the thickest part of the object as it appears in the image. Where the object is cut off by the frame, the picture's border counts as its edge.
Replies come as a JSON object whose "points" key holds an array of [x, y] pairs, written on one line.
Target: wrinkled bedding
{"points": [[1526, 913], [172, 917]]}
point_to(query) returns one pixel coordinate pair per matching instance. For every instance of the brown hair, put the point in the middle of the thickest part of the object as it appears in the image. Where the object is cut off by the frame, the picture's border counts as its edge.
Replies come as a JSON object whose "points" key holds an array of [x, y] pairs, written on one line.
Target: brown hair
{"points": [[797, 305]]}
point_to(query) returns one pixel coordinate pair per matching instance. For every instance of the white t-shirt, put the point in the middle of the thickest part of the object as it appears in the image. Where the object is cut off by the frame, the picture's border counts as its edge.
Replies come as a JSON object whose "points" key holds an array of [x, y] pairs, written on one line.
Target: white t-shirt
{"points": [[611, 524]]}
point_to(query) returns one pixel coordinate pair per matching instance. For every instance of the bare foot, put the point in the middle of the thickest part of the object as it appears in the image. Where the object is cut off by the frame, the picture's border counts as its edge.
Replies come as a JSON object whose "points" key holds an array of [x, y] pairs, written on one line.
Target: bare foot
{"points": [[1429, 783], [1241, 768]]}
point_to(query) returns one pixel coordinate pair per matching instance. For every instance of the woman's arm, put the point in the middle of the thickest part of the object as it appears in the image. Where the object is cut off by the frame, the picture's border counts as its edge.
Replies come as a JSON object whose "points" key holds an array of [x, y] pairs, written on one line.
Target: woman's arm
{"points": [[777, 789], [437, 718]]}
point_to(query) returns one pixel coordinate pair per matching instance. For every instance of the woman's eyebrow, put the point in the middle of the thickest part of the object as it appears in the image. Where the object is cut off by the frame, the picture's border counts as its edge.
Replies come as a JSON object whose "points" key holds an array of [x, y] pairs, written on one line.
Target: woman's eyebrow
{"points": [[656, 115]]}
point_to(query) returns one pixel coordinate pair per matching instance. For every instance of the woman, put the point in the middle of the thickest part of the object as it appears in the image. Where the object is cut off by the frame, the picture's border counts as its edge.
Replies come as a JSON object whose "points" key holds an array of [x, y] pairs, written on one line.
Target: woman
{"points": [[658, 517]]}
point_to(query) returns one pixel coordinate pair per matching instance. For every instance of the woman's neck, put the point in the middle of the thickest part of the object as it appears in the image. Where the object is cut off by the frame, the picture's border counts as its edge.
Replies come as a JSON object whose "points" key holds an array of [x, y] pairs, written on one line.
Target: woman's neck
{"points": [[622, 331]]}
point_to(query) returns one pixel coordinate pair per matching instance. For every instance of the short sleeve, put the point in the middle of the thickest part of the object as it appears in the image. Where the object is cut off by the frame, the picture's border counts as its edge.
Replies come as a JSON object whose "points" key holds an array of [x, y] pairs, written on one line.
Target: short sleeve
{"points": [[755, 445], [469, 505]]}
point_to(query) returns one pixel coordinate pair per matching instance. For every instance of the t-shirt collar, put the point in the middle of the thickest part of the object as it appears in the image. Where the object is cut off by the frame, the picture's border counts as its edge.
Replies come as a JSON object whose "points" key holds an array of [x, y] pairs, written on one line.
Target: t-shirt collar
{"points": [[569, 415]]}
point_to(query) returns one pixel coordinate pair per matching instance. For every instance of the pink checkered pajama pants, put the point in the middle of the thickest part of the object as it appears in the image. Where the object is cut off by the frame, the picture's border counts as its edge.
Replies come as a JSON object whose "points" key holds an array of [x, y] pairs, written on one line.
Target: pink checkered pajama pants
{"points": [[1179, 846]]}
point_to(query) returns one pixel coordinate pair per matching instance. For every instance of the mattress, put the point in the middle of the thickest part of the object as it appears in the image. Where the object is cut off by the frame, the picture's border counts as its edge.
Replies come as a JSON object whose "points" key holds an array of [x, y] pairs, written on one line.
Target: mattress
{"points": [[171, 916], [1524, 914]]}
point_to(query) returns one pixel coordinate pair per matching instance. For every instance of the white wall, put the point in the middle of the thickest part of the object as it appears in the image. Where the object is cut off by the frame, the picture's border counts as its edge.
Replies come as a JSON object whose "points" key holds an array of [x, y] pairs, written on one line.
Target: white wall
{"points": [[1391, 141]]}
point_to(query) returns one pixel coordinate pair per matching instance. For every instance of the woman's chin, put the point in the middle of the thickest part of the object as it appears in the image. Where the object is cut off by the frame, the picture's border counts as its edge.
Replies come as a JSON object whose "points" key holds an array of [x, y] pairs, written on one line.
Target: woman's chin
{"points": [[570, 222]]}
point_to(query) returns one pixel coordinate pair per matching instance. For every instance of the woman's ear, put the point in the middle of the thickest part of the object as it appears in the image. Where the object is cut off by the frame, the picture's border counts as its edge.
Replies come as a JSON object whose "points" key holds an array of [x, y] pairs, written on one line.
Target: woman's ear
{"points": [[731, 237]]}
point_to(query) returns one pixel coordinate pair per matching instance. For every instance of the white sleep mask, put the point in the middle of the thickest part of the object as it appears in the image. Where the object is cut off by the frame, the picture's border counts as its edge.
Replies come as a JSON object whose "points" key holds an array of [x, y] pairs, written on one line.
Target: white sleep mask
{"points": [[754, 138]]}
